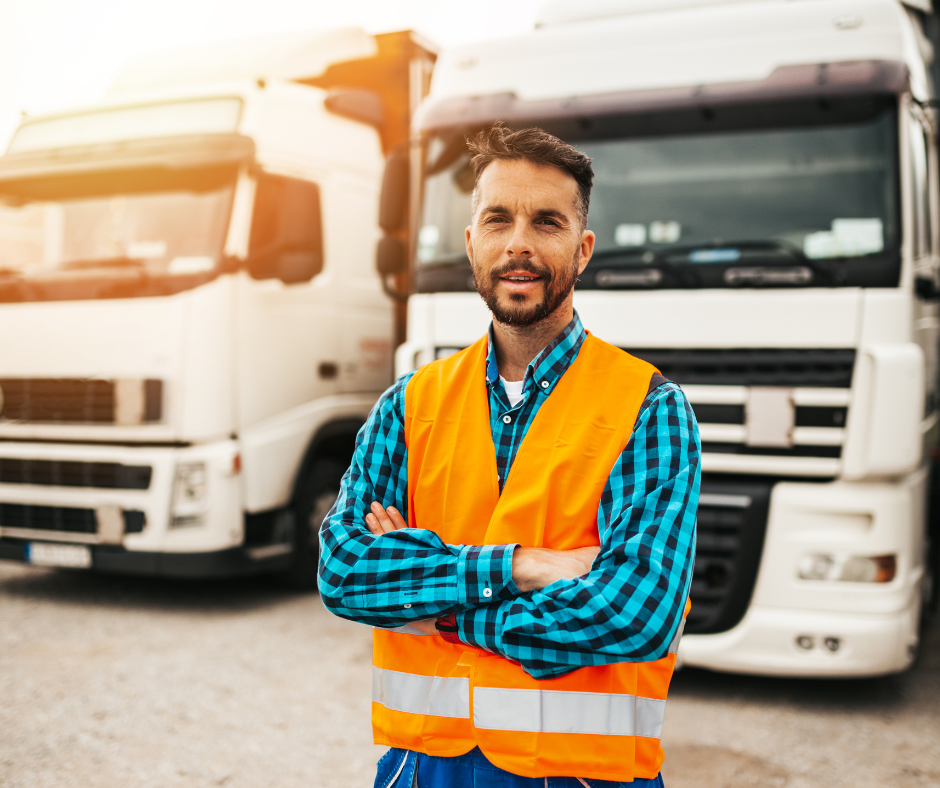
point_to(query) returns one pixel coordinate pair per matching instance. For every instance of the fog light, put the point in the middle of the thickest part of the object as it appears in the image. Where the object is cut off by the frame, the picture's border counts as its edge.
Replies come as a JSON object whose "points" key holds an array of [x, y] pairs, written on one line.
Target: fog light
{"points": [[815, 567], [876, 569], [190, 499], [849, 569], [832, 644], [804, 642]]}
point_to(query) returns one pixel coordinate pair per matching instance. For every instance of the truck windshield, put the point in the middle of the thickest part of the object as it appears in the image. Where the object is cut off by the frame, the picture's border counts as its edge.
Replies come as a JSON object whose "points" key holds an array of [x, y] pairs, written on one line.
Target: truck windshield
{"points": [[145, 238], [790, 199]]}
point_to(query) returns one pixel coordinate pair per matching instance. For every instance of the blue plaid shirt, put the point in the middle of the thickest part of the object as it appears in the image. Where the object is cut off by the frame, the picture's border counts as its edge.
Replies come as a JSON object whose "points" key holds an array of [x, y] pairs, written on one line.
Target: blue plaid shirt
{"points": [[627, 608]]}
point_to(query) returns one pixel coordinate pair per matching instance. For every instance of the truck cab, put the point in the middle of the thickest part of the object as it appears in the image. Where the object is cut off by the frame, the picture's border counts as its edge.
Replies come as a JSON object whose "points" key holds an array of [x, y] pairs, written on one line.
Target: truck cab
{"points": [[191, 329], [765, 205]]}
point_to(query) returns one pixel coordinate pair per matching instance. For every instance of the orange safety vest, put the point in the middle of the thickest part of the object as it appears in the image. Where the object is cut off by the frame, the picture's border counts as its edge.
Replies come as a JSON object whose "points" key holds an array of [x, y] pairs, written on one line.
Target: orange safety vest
{"points": [[431, 696]]}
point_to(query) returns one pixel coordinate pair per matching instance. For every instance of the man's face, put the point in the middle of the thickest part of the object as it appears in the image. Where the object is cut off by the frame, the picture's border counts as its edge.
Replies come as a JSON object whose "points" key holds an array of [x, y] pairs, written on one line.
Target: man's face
{"points": [[525, 244]]}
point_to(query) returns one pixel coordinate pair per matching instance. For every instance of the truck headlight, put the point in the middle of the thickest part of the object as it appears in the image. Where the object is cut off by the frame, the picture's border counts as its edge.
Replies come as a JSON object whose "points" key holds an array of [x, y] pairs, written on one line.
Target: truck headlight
{"points": [[848, 568], [190, 499]]}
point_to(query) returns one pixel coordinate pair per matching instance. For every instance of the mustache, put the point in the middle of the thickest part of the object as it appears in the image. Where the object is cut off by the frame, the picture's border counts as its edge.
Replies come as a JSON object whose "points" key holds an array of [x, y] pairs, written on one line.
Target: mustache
{"points": [[520, 264]]}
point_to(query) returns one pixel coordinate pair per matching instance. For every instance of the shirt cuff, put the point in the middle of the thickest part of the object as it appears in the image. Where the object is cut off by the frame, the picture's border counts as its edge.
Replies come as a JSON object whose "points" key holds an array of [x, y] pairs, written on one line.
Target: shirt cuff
{"points": [[479, 627], [484, 573]]}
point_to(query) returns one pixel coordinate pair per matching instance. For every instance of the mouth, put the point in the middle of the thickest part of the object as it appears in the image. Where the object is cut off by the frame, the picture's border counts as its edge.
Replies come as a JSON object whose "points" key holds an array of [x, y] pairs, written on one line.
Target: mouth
{"points": [[519, 281]]}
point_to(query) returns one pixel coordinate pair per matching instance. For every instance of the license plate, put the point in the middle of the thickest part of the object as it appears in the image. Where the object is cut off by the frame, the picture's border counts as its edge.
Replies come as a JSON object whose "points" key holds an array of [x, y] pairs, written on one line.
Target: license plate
{"points": [[75, 556]]}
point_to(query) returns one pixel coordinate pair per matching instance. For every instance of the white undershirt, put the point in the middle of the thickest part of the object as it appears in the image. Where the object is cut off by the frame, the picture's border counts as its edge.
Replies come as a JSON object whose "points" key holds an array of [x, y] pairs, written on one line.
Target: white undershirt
{"points": [[513, 390]]}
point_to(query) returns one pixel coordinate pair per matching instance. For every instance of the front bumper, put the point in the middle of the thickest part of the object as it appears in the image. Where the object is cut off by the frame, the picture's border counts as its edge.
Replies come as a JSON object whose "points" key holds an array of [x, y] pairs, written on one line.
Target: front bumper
{"points": [[83, 509], [789, 619], [766, 643], [234, 562]]}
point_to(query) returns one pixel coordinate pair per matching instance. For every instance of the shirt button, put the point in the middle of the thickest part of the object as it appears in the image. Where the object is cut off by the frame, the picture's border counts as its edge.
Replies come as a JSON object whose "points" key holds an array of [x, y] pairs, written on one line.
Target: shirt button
{"points": [[407, 605], [487, 593], [544, 384], [507, 419]]}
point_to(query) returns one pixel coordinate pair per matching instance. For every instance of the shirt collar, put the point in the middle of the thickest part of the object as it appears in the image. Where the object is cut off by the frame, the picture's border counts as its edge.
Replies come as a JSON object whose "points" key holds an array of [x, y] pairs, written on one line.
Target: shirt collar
{"points": [[550, 364]]}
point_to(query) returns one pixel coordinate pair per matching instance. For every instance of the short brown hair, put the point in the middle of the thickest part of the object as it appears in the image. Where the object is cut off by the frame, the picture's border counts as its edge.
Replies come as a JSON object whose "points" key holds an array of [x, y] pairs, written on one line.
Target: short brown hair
{"points": [[536, 146]]}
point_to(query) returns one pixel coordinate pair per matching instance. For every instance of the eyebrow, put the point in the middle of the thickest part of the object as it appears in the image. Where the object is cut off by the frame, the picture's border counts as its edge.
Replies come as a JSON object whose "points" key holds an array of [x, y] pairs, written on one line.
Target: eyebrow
{"points": [[549, 213]]}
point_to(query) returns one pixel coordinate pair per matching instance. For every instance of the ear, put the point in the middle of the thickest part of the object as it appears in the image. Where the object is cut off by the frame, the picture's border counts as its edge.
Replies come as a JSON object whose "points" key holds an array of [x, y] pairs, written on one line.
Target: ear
{"points": [[469, 244], [587, 249]]}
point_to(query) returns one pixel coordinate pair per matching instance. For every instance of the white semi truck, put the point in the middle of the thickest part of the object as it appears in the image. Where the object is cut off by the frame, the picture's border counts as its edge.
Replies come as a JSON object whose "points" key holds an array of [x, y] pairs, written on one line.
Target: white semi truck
{"points": [[765, 204], [191, 327]]}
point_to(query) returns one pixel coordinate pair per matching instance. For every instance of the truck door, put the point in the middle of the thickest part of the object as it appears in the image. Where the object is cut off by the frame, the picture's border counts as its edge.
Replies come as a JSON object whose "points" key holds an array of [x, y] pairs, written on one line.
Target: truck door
{"points": [[924, 224], [922, 179], [286, 325]]}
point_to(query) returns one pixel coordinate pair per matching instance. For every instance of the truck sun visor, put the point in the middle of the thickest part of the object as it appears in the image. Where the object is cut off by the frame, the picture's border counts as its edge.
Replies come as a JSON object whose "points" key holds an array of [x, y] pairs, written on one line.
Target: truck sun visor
{"points": [[787, 82]]}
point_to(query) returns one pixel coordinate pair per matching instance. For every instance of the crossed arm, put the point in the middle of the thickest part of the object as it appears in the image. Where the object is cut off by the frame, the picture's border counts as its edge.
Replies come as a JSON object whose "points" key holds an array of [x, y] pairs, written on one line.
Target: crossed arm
{"points": [[533, 568], [551, 611]]}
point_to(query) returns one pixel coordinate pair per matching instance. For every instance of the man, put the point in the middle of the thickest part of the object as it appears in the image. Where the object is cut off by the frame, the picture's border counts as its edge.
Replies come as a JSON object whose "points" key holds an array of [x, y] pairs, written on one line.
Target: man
{"points": [[518, 521]]}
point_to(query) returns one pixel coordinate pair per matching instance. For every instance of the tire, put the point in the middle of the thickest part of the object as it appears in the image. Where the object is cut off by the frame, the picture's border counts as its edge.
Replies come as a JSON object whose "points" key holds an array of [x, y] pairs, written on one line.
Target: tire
{"points": [[932, 568], [314, 501]]}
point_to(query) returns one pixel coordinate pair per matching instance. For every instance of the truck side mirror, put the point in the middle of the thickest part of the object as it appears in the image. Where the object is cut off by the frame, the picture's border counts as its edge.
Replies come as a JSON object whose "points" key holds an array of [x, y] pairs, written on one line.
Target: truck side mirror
{"points": [[390, 256], [286, 230], [363, 106], [393, 203]]}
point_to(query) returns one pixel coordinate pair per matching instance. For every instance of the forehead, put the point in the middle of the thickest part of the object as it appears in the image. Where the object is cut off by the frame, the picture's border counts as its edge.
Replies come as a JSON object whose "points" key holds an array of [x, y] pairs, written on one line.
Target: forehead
{"points": [[522, 185]]}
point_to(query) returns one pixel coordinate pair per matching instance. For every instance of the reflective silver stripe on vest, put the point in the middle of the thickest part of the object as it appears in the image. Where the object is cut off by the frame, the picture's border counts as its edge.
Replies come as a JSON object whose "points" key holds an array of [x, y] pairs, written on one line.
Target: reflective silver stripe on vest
{"points": [[552, 711], [674, 646], [409, 692]]}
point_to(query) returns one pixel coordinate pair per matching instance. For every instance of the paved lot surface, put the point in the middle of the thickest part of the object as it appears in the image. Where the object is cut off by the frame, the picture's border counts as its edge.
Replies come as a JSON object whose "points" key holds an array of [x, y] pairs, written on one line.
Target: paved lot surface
{"points": [[127, 683]]}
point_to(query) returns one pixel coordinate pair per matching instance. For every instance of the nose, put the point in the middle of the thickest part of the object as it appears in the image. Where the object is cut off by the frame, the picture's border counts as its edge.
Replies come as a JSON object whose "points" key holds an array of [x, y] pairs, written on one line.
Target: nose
{"points": [[520, 243]]}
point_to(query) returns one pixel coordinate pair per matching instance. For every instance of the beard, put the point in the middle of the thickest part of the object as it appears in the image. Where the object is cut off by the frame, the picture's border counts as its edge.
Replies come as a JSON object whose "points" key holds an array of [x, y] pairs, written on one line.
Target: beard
{"points": [[557, 288]]}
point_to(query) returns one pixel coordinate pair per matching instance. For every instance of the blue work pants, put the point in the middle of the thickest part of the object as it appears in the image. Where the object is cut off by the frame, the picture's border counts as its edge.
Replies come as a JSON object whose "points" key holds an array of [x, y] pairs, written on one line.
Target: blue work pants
{"points": [[405, 769]]}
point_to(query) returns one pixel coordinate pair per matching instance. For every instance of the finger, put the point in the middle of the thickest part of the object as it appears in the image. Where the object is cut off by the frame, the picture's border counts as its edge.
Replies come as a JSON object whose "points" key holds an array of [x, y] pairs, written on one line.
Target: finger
{"points": [[378, 511], [395, 516], [373, 525]]}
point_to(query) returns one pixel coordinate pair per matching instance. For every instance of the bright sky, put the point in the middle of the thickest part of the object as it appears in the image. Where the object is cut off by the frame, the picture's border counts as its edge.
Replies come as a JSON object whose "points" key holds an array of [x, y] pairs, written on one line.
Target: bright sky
{"points": [[56, 53]]}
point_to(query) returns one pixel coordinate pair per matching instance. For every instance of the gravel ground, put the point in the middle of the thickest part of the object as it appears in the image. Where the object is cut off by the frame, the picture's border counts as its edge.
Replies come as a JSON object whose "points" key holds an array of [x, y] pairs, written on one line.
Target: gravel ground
{"points": [[120, 683]]}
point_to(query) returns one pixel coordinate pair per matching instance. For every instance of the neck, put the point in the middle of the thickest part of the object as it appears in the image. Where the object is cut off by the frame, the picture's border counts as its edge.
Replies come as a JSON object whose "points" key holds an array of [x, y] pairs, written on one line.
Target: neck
{"points": [[516, 346]]}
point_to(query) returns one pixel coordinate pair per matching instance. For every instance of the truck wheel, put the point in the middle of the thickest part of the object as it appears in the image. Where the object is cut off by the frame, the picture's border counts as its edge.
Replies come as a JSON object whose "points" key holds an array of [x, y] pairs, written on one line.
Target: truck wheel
{"points": [[314, 502], [932, 568]]}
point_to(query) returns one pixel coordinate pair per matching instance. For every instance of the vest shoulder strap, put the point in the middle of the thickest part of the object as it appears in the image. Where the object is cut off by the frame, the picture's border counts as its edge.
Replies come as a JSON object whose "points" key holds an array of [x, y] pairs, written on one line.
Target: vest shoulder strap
{"points": [[656, 381], [432, 380]]}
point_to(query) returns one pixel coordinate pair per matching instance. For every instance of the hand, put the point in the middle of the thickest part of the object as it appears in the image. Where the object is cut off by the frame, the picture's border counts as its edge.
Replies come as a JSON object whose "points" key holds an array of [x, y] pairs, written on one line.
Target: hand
{"points": [[533, 568], [382, 521]]}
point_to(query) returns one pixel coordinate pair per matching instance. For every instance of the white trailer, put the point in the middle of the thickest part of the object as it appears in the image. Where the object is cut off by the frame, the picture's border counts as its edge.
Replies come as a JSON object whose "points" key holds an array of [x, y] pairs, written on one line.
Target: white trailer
{"points": [[191, 327], [765, 205]]}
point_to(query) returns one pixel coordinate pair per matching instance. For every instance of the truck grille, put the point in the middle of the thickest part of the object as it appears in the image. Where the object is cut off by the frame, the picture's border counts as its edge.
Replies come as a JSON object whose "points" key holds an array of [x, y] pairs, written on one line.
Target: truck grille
{"points": [[72, 401], [732, 519], [69, 473], [62, 518], [754, 367], [817, 383]]}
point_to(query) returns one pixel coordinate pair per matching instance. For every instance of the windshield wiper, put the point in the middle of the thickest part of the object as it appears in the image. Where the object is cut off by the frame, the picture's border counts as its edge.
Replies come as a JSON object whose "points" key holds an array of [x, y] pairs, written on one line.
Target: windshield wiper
{"points": [[104, 262], [760, 271], [684, 262], [646, 258]]}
